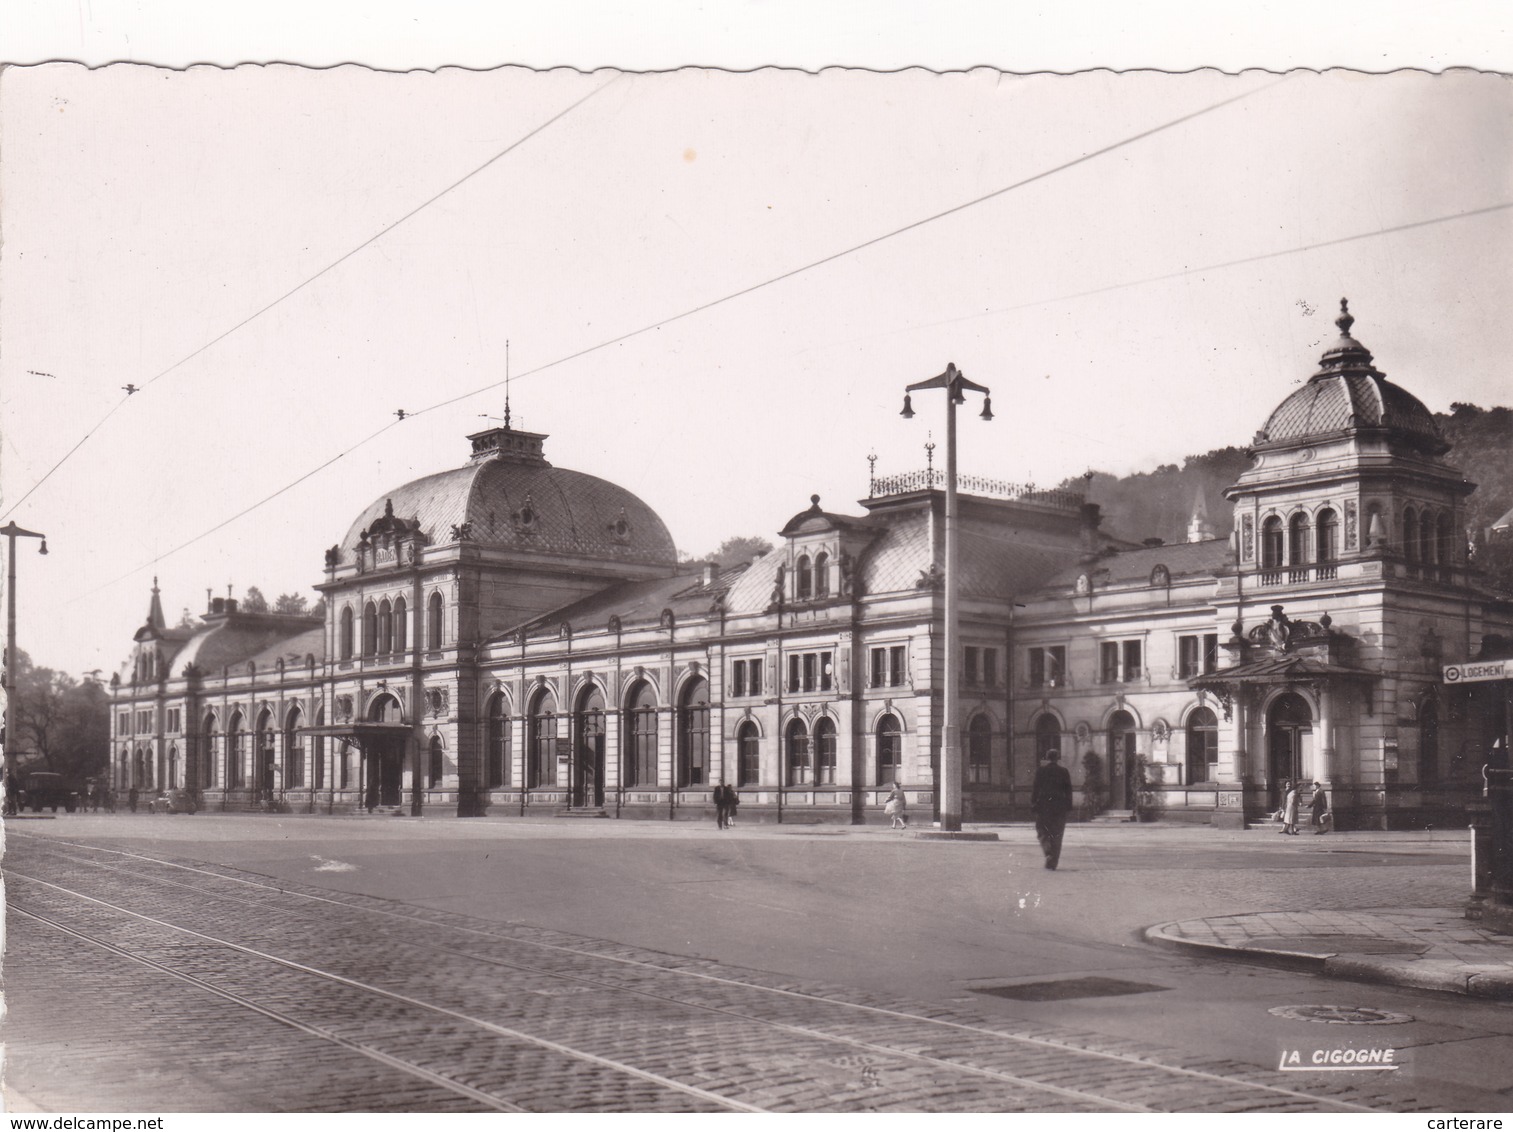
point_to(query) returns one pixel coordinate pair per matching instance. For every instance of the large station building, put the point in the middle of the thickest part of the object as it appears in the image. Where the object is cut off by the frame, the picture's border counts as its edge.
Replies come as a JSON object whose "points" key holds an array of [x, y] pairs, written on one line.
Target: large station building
{"points": [[510, 637]]}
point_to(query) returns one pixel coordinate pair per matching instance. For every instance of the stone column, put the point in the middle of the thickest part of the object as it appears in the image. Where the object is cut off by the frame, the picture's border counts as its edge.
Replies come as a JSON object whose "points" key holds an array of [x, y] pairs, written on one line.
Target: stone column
{"points": [[1324, 768], [1237, 724]]}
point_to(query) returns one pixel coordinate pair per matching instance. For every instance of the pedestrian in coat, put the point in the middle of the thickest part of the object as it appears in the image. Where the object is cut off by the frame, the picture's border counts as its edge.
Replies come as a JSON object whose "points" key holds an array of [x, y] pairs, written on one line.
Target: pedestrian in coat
{"points": [[732, 804], [1290, 809], [722, 805], [1051, 799], [897, 807], [131, 799], [1320, 807]]}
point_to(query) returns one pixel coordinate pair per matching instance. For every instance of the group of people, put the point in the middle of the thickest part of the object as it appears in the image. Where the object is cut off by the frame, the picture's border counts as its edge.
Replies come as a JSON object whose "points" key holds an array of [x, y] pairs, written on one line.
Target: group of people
{"points": [[725, 802], [1318, 805]]}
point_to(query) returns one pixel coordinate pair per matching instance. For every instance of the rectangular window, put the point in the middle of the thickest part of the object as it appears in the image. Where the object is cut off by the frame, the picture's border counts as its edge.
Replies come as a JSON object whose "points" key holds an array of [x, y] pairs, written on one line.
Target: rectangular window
{"points": [[1037, 668], [1210, 653], [173, 721], [123, 724], [754, 677], [827, 672], [896, 666], [1131, 660], [810, 662], [794, 662], [990, 667], [879, 667], [970, 673], [1055, 666], [1187, 657], [1108, 662], [738, 678]]}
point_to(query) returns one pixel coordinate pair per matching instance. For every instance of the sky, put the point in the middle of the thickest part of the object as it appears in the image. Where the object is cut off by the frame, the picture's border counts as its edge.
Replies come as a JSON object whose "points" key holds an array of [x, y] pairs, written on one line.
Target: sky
{"points": [[714, 287]]}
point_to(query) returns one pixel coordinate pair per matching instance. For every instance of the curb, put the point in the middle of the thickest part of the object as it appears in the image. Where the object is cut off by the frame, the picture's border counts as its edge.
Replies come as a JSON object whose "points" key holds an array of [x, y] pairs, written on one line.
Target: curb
{"points": [[1291, 960], [953, 835], [1434, 975]]}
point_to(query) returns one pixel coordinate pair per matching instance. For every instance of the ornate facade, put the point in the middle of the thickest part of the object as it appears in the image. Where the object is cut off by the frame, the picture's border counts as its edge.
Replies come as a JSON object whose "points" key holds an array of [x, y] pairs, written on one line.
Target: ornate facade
{"points": [[509, 637]]}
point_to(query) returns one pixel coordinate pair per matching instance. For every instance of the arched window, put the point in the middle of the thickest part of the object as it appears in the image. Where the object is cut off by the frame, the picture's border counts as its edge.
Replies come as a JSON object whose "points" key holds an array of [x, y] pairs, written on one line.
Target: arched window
{"points": [[589, 783], [385, 628], [262, 767], [824, 751], [542, 746], [1428, 744], [346, 632], [980, 749], [173, 768], [401, 626], [319, 753], [369, 629], [748, 755], [796, 746], [1047, 736], [294, 750], [693, 734], [1297, 540], [209, 747], [1410, 534], [1202, 746], [1327, 527], [234, 732], [498, 742], [433, 623], [822, 574], [641, 736], [1271, 544], [1426, 544], [436, 764], [1445, 538], [804, 578], [890, 751]]}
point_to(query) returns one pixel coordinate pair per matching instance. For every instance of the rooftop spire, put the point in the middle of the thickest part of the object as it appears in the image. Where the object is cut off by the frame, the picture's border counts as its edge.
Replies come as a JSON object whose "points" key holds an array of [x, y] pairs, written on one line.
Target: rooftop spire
{"points": [[506, 383], [1346, 319], [155, 611]]}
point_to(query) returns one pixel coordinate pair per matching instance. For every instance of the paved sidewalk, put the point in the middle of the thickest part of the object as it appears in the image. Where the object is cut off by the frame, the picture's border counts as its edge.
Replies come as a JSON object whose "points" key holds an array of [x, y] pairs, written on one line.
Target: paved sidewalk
{"points": [[1428, 948]]}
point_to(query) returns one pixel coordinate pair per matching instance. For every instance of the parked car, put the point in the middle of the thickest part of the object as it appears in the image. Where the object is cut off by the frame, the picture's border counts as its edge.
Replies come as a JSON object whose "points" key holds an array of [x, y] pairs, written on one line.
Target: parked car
{"points": [[48, 788], [172, 802]]}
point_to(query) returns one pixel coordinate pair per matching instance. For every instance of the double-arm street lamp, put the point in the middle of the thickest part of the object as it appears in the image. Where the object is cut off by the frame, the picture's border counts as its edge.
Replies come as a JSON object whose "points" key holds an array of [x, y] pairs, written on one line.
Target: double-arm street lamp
{"points": [[12, 734], [955, 384]]}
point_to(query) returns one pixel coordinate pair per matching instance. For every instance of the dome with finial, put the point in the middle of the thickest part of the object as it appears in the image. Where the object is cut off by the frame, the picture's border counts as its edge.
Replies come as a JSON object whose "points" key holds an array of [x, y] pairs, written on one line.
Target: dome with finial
{"points": [[1349, 394], [509, 497]]}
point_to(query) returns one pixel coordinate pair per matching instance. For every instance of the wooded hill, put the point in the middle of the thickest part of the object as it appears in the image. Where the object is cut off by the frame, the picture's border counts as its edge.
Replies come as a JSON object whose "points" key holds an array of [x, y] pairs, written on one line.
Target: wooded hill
{"points": [[1159, 504]]}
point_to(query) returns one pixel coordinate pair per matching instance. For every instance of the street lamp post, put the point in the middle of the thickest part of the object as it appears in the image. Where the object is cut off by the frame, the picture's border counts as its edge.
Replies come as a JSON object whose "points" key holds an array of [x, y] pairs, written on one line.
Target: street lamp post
{"points": [[954, 382], [12, 533]]}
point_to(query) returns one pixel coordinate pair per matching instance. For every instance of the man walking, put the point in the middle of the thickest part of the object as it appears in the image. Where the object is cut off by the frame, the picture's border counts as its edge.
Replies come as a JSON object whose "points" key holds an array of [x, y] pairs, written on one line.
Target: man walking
{"points": [[722, 795], [1051, 799]]}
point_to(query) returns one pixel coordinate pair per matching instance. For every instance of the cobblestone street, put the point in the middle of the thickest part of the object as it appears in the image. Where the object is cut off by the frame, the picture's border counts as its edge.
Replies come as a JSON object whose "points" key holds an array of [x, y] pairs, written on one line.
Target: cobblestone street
{"points": [[141, 978]]}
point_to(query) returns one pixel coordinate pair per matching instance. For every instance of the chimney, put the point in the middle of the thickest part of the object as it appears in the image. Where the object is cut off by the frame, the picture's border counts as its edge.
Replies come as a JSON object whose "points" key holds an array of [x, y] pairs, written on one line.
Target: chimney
{"points": [[1092, 516], [711, 571]]}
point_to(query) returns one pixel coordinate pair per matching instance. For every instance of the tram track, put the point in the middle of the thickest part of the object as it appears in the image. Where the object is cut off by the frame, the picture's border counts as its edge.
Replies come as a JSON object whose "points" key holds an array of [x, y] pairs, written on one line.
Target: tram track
{"points": [[974, 1050]]}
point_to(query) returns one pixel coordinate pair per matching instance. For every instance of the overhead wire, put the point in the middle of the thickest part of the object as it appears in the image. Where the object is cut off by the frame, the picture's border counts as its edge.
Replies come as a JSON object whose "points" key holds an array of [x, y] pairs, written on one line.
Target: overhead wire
{"points": [[830, 258], [298, 287]]}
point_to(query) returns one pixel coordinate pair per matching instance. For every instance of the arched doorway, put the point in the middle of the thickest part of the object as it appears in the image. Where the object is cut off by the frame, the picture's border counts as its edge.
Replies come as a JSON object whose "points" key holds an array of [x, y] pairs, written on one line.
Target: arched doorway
{"points": [[1289, 743], [588, 782], [385, 756], [1121, 760]]}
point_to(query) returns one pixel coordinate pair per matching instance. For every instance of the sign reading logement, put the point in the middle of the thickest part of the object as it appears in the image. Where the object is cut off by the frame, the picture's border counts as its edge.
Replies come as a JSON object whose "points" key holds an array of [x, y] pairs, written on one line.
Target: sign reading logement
{"points": [[1475, 671]]}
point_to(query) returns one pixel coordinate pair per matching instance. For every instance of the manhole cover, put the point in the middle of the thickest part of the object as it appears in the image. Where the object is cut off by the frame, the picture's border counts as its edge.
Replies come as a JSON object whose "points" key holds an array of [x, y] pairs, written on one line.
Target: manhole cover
{"points": [[1342, 1015], [1094, 986], [1334, 944]]}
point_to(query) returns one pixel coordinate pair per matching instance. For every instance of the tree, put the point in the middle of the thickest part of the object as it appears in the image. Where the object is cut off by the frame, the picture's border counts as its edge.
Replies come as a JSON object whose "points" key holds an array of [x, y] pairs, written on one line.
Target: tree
{"points": [[254, 601], [59, 723], [738, 549], [290, 603]]}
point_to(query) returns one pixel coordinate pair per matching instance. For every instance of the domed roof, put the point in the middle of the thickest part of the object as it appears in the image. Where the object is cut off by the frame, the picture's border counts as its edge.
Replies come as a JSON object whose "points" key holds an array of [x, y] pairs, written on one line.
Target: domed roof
{"points": [[509, 496], [1348, 393]]}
